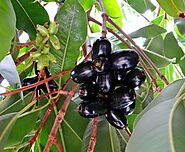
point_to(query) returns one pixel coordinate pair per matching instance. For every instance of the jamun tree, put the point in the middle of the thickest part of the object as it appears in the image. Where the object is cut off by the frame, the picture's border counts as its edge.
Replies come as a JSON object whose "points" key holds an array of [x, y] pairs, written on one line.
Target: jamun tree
{"points": [[103, 76]]}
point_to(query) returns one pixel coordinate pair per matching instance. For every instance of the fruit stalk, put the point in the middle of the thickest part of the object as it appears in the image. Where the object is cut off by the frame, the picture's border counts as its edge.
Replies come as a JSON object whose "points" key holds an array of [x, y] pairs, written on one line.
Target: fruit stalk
{"points": [[92, 141], [104, 17]]}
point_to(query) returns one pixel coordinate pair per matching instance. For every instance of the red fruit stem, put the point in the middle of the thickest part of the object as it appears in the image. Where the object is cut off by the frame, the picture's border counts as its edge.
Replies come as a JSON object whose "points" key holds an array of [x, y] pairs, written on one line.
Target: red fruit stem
{"points": [[139, 50], [92, 141], [24, 57], [48, 112], [58, 145], [84, 49], [129, 46], [35, 84], [59, 118], [104, 17]]}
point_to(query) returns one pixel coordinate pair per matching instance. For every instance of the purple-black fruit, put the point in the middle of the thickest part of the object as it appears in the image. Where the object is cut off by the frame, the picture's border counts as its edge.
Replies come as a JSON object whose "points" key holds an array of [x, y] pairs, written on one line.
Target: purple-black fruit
{"points": [[124, 60], [87, 91], [92, 108], [129, 109], [51, 84], [105, 83], [135, 78], [119, 76], [82, 72], [101, 48], [101, 65], [28, 81], [122, 97], [116, 119]]}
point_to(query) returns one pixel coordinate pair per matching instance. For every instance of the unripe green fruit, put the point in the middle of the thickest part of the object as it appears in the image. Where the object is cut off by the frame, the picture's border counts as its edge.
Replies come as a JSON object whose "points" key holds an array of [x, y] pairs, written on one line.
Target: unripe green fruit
{"points": [[55, 42], [53, 28], [42, 30]]}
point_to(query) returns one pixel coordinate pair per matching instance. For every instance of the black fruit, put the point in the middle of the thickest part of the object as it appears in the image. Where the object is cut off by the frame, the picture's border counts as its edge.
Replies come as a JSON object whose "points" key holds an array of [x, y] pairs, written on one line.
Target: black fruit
{"points": [[122, 97], [82, 72], [87, 91], [105, 83], [119, 76], [29, 81], [124, 60], [129, 109], [101, 65], [135, 78], [101, 48], [52, 86], [92, 108], [116, 119]]}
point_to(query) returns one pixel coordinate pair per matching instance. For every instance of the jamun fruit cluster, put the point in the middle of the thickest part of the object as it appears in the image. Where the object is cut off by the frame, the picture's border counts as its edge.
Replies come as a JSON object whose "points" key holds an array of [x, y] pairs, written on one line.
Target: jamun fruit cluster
{"points": [[108, 83]]}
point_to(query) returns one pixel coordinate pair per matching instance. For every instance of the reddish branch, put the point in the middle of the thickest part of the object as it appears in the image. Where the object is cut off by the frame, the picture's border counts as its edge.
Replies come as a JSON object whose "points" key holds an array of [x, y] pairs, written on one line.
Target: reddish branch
{"points": [[92, 142], [35, 84], [59, 118], [48, 112], [127, 131]]}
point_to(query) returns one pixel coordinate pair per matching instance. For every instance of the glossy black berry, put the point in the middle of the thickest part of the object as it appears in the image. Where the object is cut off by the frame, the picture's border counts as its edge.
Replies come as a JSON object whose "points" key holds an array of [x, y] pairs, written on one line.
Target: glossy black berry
{"points": [[101, 65], [124, 60], [101, 48], [29, 81], [129, 109], [135, 78], [122, 97], [92, 108], [87, 90], [105, 83], [51, 84], [82, 72], [119, 76], [116, 119]]}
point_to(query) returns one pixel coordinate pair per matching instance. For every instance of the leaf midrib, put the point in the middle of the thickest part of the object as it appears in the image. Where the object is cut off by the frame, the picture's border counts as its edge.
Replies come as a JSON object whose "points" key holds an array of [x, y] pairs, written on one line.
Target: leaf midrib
{"points": [[26, 13]]}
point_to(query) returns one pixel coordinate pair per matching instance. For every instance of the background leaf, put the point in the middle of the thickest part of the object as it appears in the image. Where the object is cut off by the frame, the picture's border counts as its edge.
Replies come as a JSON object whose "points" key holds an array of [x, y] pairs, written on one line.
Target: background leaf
{"points": [[7, 27], [29, 13], [72, 34]]}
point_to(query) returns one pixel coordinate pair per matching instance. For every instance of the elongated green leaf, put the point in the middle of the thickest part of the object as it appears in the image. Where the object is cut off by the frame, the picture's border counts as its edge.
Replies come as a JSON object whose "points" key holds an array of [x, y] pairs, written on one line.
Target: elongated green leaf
{"points": [[86, 4], [4, 121], [142, 5], [7, 27], [112, 8], [21, 127], [72, 33], [169, 7], [106, 137], [162, 128], [180, 4], [171, 47], [149, 31], [73, 126], [168, 93], [159, 60], [29, 13]]}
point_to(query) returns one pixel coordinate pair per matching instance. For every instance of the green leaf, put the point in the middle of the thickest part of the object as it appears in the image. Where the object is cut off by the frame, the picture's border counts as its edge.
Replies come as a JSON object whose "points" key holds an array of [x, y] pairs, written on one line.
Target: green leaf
{"points": [[182, 65], [162, 128], [72, 33], [73, 126], [171, 47], [86, 4], [158, 20], [24, 125], [141, 6], [180, 5], [159, 60], [5, 128], [149, 31], [7, 27], [29, 13], [106, 137], [168, 93], [112, 8], [169, 7]]}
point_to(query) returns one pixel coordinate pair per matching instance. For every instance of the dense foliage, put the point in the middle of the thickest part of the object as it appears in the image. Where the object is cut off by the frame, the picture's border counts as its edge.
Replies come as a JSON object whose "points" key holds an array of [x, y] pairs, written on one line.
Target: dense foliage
{"points": [[39, 108]]}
